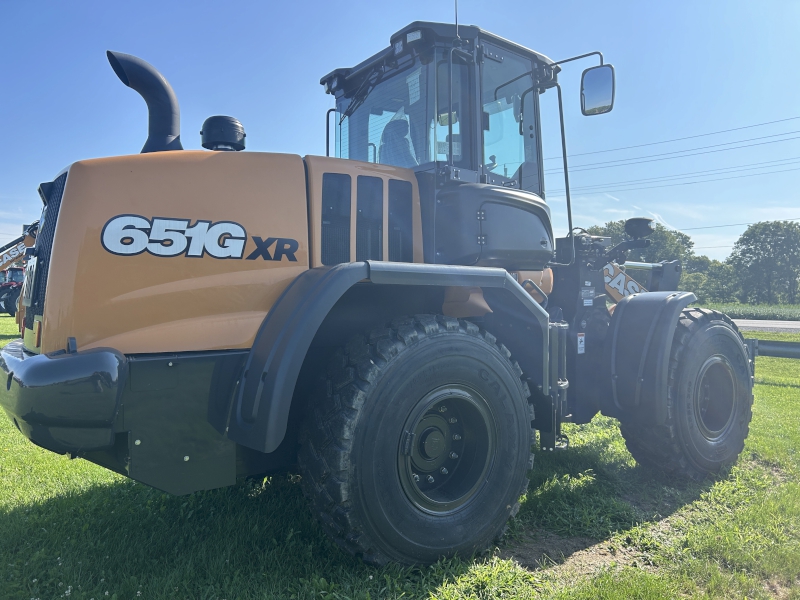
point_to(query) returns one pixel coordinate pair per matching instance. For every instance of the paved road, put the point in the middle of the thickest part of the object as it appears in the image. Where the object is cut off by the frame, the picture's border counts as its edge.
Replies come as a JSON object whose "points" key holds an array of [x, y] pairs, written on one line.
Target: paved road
{"points": [[778, 326]]}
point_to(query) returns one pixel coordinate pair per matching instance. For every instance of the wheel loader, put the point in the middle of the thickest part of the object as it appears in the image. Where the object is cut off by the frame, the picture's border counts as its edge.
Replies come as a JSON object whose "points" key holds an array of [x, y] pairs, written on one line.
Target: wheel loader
{"points": [[396, 322]]}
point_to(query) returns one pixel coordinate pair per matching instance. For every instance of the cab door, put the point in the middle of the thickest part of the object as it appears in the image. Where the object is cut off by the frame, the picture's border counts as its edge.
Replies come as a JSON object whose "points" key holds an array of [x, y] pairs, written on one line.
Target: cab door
{"points": [[510, 128]]}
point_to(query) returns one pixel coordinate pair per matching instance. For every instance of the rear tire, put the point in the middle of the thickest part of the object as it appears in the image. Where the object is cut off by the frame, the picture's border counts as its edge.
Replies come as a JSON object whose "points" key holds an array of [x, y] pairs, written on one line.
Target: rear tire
{"points": [[420, 445], [710, 401], [10, 302]]}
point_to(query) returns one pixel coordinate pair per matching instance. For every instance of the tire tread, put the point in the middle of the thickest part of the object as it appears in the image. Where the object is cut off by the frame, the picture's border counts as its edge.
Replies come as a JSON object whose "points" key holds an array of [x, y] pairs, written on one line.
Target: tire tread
{"points": [[327, 434], [660, 448]]}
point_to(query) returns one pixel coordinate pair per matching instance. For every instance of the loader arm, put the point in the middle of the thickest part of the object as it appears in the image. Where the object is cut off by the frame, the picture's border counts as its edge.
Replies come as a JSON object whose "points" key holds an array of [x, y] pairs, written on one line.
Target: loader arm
{"points": [[15, 249]]}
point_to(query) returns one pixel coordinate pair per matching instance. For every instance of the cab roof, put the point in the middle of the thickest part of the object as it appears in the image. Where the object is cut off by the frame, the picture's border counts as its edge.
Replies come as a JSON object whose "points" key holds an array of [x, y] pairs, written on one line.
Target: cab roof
{"points": [[440, 32]]}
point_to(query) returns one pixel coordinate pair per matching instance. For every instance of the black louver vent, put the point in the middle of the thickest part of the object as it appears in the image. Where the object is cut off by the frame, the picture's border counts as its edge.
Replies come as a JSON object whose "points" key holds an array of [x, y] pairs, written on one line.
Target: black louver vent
{"points": [[400, 222], [369, 220], [44, 249], [335, 218]]}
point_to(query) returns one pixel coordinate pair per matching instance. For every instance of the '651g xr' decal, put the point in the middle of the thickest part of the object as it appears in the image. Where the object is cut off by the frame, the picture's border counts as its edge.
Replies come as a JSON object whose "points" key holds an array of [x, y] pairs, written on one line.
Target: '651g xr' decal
{"points": [[128, 235]]}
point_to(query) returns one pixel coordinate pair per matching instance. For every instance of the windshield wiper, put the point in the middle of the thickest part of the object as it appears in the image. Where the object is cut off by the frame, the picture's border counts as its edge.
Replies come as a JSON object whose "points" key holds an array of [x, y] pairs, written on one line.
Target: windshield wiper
{"points": [[370, 83], [364, 90]]}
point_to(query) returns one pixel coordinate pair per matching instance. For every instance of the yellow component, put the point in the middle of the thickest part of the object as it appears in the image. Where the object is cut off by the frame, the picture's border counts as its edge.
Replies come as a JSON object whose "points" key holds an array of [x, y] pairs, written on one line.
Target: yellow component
{"points": [[319, 165], [464, 302], [32, 338], [619, 284], [544, 279], [148, 303]]}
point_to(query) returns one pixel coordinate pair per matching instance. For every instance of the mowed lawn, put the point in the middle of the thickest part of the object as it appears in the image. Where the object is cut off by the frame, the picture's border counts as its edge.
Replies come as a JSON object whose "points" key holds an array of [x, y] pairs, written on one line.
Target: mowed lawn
{"points": [[593, 525]]}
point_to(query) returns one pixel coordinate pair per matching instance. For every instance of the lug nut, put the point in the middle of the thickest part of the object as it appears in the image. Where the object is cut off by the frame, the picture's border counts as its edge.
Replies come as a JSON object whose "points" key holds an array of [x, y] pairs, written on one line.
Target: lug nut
{"points": [[443, 471], [431, 479], [442, 409], [453, 455], [415, 477], [456, 437], [453, 420]]}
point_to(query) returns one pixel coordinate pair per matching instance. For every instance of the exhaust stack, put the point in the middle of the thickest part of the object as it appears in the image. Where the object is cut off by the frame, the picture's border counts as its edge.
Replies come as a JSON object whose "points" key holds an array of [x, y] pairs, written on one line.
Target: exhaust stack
{"points": [[164, 127]]}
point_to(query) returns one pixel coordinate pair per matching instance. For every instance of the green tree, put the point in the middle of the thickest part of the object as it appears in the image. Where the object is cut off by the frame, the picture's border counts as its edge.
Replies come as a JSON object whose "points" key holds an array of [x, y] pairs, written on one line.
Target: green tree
{"points": [[698, 264], [694, 282], [766, 258], [722, 283]]}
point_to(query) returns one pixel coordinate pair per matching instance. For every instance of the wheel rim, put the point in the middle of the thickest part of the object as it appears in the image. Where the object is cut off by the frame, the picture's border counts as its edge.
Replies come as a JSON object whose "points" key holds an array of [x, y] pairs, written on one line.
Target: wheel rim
{"points": [[715, 394], [446, 449]]}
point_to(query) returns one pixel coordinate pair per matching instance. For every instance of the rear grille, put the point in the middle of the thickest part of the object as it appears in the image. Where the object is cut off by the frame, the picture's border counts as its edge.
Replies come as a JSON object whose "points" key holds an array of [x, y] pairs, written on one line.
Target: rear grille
{"points": [[400, 232], [44, 249], [369, 219], [335, 218]]}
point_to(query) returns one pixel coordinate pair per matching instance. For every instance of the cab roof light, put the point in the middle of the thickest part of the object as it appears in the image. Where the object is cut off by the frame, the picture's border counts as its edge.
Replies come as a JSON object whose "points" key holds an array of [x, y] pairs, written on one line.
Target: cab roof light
{"points": [[331, 85], [413, 36]]}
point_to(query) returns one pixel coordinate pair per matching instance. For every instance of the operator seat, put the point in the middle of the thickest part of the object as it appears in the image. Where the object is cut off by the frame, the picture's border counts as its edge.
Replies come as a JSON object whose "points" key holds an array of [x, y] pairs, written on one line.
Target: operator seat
{"points": [[395, 148]]}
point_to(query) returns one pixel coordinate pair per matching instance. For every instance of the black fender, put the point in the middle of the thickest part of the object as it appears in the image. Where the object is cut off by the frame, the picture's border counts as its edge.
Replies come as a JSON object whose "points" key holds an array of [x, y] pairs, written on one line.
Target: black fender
{"points": [[260, 409], [638, 348]]}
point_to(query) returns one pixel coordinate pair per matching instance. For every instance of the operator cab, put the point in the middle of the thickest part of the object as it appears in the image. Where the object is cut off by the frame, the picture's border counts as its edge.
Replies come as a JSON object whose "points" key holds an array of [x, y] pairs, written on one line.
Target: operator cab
{"points": [[459, 107], [14, 275], [433, 99]]}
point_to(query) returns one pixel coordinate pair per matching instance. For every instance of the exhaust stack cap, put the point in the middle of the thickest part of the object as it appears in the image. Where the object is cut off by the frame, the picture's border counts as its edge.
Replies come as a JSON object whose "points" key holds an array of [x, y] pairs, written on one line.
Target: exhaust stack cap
{"points": [[223, 134], [164, 114]]}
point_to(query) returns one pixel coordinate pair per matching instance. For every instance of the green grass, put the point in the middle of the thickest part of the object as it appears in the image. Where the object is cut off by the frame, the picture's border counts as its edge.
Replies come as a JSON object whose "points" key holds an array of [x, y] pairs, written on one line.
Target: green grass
{"points": [[778, 312], [71, 529]]}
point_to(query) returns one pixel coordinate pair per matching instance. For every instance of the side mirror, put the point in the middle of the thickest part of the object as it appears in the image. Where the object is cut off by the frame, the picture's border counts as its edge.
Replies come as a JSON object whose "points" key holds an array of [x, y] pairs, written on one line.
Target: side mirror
{"points": [[597, 90]]}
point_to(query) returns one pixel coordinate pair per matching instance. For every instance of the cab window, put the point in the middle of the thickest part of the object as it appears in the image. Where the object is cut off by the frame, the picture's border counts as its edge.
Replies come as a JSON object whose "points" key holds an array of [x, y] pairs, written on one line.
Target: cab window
{"points": [[510, 144]]}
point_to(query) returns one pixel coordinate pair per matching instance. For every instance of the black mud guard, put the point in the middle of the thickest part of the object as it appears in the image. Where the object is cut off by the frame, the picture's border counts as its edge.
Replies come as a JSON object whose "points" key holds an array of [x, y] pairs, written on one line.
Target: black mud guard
{"points": [[260, 410], [638, 347]]}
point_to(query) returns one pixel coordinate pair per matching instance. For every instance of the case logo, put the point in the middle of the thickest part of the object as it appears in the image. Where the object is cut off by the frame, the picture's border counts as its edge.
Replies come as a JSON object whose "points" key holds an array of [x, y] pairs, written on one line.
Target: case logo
{"points": [[619, 284], [129, 235]]}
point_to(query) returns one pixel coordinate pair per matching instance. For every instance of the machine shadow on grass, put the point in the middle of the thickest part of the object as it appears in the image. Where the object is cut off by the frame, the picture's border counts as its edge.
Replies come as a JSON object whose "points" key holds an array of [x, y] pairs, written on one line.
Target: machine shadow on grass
{"points": [[584, 495], [260, 536]]}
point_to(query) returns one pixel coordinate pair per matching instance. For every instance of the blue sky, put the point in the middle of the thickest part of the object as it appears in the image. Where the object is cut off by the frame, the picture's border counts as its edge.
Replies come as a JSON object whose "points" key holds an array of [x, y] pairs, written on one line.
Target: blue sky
{"points": [[683, 69]]}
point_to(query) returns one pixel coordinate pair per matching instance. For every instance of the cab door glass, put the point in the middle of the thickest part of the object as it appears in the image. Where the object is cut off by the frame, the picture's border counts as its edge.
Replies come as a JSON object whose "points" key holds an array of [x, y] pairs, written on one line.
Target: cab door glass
{"points": [[509, 120]]}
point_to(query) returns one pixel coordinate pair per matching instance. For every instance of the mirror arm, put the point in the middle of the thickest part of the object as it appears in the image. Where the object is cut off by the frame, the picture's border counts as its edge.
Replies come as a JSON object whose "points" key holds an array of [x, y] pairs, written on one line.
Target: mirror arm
{"points": [[566, 179], [566, 60], [509, 82]]}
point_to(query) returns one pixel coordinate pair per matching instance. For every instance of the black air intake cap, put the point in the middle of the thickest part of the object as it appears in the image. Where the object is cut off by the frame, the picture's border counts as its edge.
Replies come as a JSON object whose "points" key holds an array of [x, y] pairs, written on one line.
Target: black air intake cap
{"points": [[222, 133]]}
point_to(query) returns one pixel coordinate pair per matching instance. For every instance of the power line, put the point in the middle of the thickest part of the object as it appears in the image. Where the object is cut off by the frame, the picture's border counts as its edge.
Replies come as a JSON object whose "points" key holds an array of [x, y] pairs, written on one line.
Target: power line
{"points": [[693, 182], [636, 162], [636, 158], [745, 167], [676, 139], [731, 225]]}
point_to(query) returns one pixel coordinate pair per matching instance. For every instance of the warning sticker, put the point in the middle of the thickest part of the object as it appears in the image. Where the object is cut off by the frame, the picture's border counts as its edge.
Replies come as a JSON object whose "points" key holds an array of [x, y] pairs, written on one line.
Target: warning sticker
{"points": [[581, 343]]}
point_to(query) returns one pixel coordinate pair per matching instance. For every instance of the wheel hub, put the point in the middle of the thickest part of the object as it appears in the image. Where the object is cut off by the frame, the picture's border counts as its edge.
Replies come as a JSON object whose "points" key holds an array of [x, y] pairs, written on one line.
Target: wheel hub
{"points": [[447, 449], [715, 394], [432, 443]]}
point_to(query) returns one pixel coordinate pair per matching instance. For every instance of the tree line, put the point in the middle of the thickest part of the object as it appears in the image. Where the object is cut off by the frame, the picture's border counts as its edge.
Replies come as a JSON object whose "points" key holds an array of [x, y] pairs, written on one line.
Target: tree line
{"points": [[763, 268]]}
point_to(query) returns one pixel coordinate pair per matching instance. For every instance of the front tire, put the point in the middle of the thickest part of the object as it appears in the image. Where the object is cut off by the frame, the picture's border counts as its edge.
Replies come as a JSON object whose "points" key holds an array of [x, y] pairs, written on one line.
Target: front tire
{"points": [[710, 401], [419, 448]]}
